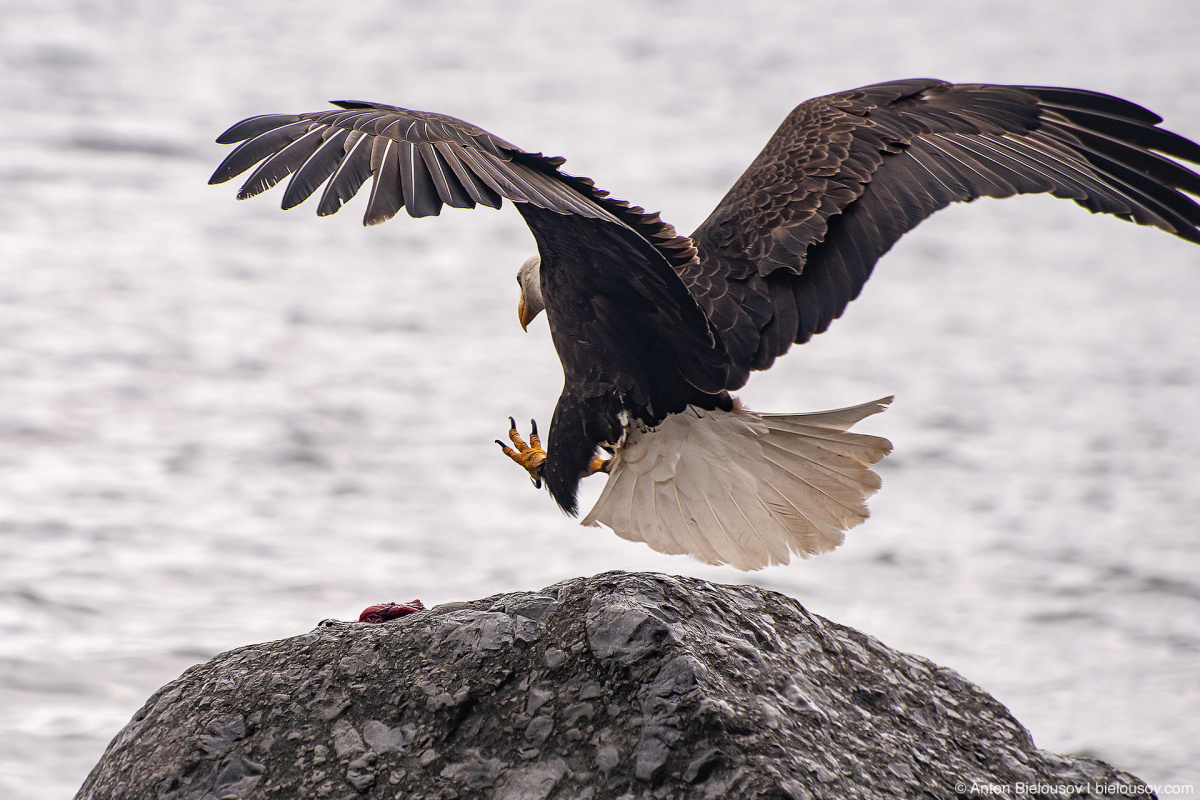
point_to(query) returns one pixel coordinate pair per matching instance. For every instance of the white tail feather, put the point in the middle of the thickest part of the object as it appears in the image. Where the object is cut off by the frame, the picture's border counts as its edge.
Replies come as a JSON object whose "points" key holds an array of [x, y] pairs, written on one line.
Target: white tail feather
{"points": [[739, 488]]}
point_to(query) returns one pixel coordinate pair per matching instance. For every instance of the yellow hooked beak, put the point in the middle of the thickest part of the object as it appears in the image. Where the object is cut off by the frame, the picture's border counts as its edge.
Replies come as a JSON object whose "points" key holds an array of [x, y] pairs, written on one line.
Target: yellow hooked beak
{"points": [[522, 316]]}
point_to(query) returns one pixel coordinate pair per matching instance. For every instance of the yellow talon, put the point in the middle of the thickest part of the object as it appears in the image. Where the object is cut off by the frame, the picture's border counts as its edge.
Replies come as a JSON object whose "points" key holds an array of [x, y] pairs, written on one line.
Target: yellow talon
{"points": [[530, 456], [598, 464]]}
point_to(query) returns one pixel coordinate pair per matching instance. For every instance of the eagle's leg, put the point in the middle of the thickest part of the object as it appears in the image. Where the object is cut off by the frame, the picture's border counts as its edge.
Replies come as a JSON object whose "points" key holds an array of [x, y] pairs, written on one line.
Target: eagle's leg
{"points": [[530, 456], [599, 464]]}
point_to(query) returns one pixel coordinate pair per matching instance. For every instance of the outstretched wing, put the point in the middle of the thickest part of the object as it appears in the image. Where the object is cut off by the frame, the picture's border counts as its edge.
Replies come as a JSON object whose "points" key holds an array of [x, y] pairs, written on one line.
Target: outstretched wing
{"points": [[419, 161], [846, 175]]}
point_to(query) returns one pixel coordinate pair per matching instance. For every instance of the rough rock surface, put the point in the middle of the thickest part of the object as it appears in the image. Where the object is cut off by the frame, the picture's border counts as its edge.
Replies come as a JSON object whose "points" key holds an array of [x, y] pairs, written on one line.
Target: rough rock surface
{"points": [[616, 686]]}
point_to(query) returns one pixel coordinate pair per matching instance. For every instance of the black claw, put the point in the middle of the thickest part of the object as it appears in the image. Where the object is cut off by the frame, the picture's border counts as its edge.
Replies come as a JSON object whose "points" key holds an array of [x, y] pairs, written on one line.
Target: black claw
{"points": [[512, 424], [502, 444], [533, 427]]}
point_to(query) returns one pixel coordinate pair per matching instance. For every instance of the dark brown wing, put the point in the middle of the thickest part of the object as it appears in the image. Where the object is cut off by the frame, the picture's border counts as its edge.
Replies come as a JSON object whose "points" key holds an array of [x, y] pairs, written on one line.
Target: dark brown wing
{"points": [[418, 161], [846, 175]]}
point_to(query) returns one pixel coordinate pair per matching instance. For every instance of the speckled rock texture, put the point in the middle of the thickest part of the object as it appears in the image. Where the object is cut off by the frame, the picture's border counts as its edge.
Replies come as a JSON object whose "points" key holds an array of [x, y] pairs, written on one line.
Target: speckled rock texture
{"points": [[617, 686]]}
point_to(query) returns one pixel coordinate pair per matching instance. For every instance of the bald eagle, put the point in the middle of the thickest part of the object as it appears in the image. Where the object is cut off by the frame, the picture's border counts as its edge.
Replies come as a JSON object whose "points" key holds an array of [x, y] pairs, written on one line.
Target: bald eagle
{"points": [[654, 330]]}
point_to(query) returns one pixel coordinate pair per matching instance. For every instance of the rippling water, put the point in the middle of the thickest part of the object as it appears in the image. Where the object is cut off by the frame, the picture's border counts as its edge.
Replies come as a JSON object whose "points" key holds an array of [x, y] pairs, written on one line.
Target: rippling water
{"points": [[221, 423]]}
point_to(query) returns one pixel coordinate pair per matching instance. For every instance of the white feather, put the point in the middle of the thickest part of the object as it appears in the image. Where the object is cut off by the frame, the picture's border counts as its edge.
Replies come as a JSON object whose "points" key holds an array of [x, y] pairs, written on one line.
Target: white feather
{"points": [[740, 488]]}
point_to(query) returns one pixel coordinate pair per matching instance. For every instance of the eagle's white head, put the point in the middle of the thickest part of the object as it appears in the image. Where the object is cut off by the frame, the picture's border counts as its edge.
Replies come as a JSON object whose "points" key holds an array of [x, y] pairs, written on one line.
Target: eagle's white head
{"points": [[529, 277]]}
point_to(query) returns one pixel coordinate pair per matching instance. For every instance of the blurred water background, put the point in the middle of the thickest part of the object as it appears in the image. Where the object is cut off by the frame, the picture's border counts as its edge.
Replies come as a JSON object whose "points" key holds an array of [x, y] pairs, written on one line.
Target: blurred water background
{"points": [[221, 423]]}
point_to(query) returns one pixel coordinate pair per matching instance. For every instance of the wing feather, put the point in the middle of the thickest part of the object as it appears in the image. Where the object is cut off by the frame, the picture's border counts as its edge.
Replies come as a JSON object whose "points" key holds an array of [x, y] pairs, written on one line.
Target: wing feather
{"points": [[349, 175], [478, 189], [995, 178], [275, 168], [451, 192], [316, 169], [421, 197], [386, 197], [260, 144]]}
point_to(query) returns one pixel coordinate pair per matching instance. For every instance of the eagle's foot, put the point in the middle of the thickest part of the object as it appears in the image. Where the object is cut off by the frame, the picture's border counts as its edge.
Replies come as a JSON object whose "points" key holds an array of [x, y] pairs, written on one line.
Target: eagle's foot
{"points": [[599, 464], [530, 456]]}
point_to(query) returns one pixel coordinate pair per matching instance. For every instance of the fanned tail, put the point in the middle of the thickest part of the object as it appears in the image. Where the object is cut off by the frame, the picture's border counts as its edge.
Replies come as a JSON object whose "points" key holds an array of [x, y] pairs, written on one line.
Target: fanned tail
{"points": [[740, 488]]}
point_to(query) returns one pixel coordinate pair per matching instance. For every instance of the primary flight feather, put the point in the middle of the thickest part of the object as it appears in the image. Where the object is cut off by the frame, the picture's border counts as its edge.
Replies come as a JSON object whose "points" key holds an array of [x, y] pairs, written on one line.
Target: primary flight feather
{"points": [[654, 330]]}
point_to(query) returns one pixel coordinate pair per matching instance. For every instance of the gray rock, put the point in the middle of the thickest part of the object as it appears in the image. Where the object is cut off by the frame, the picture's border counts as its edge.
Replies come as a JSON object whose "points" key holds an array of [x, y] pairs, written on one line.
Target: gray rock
{"points": [[616, 686]]}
